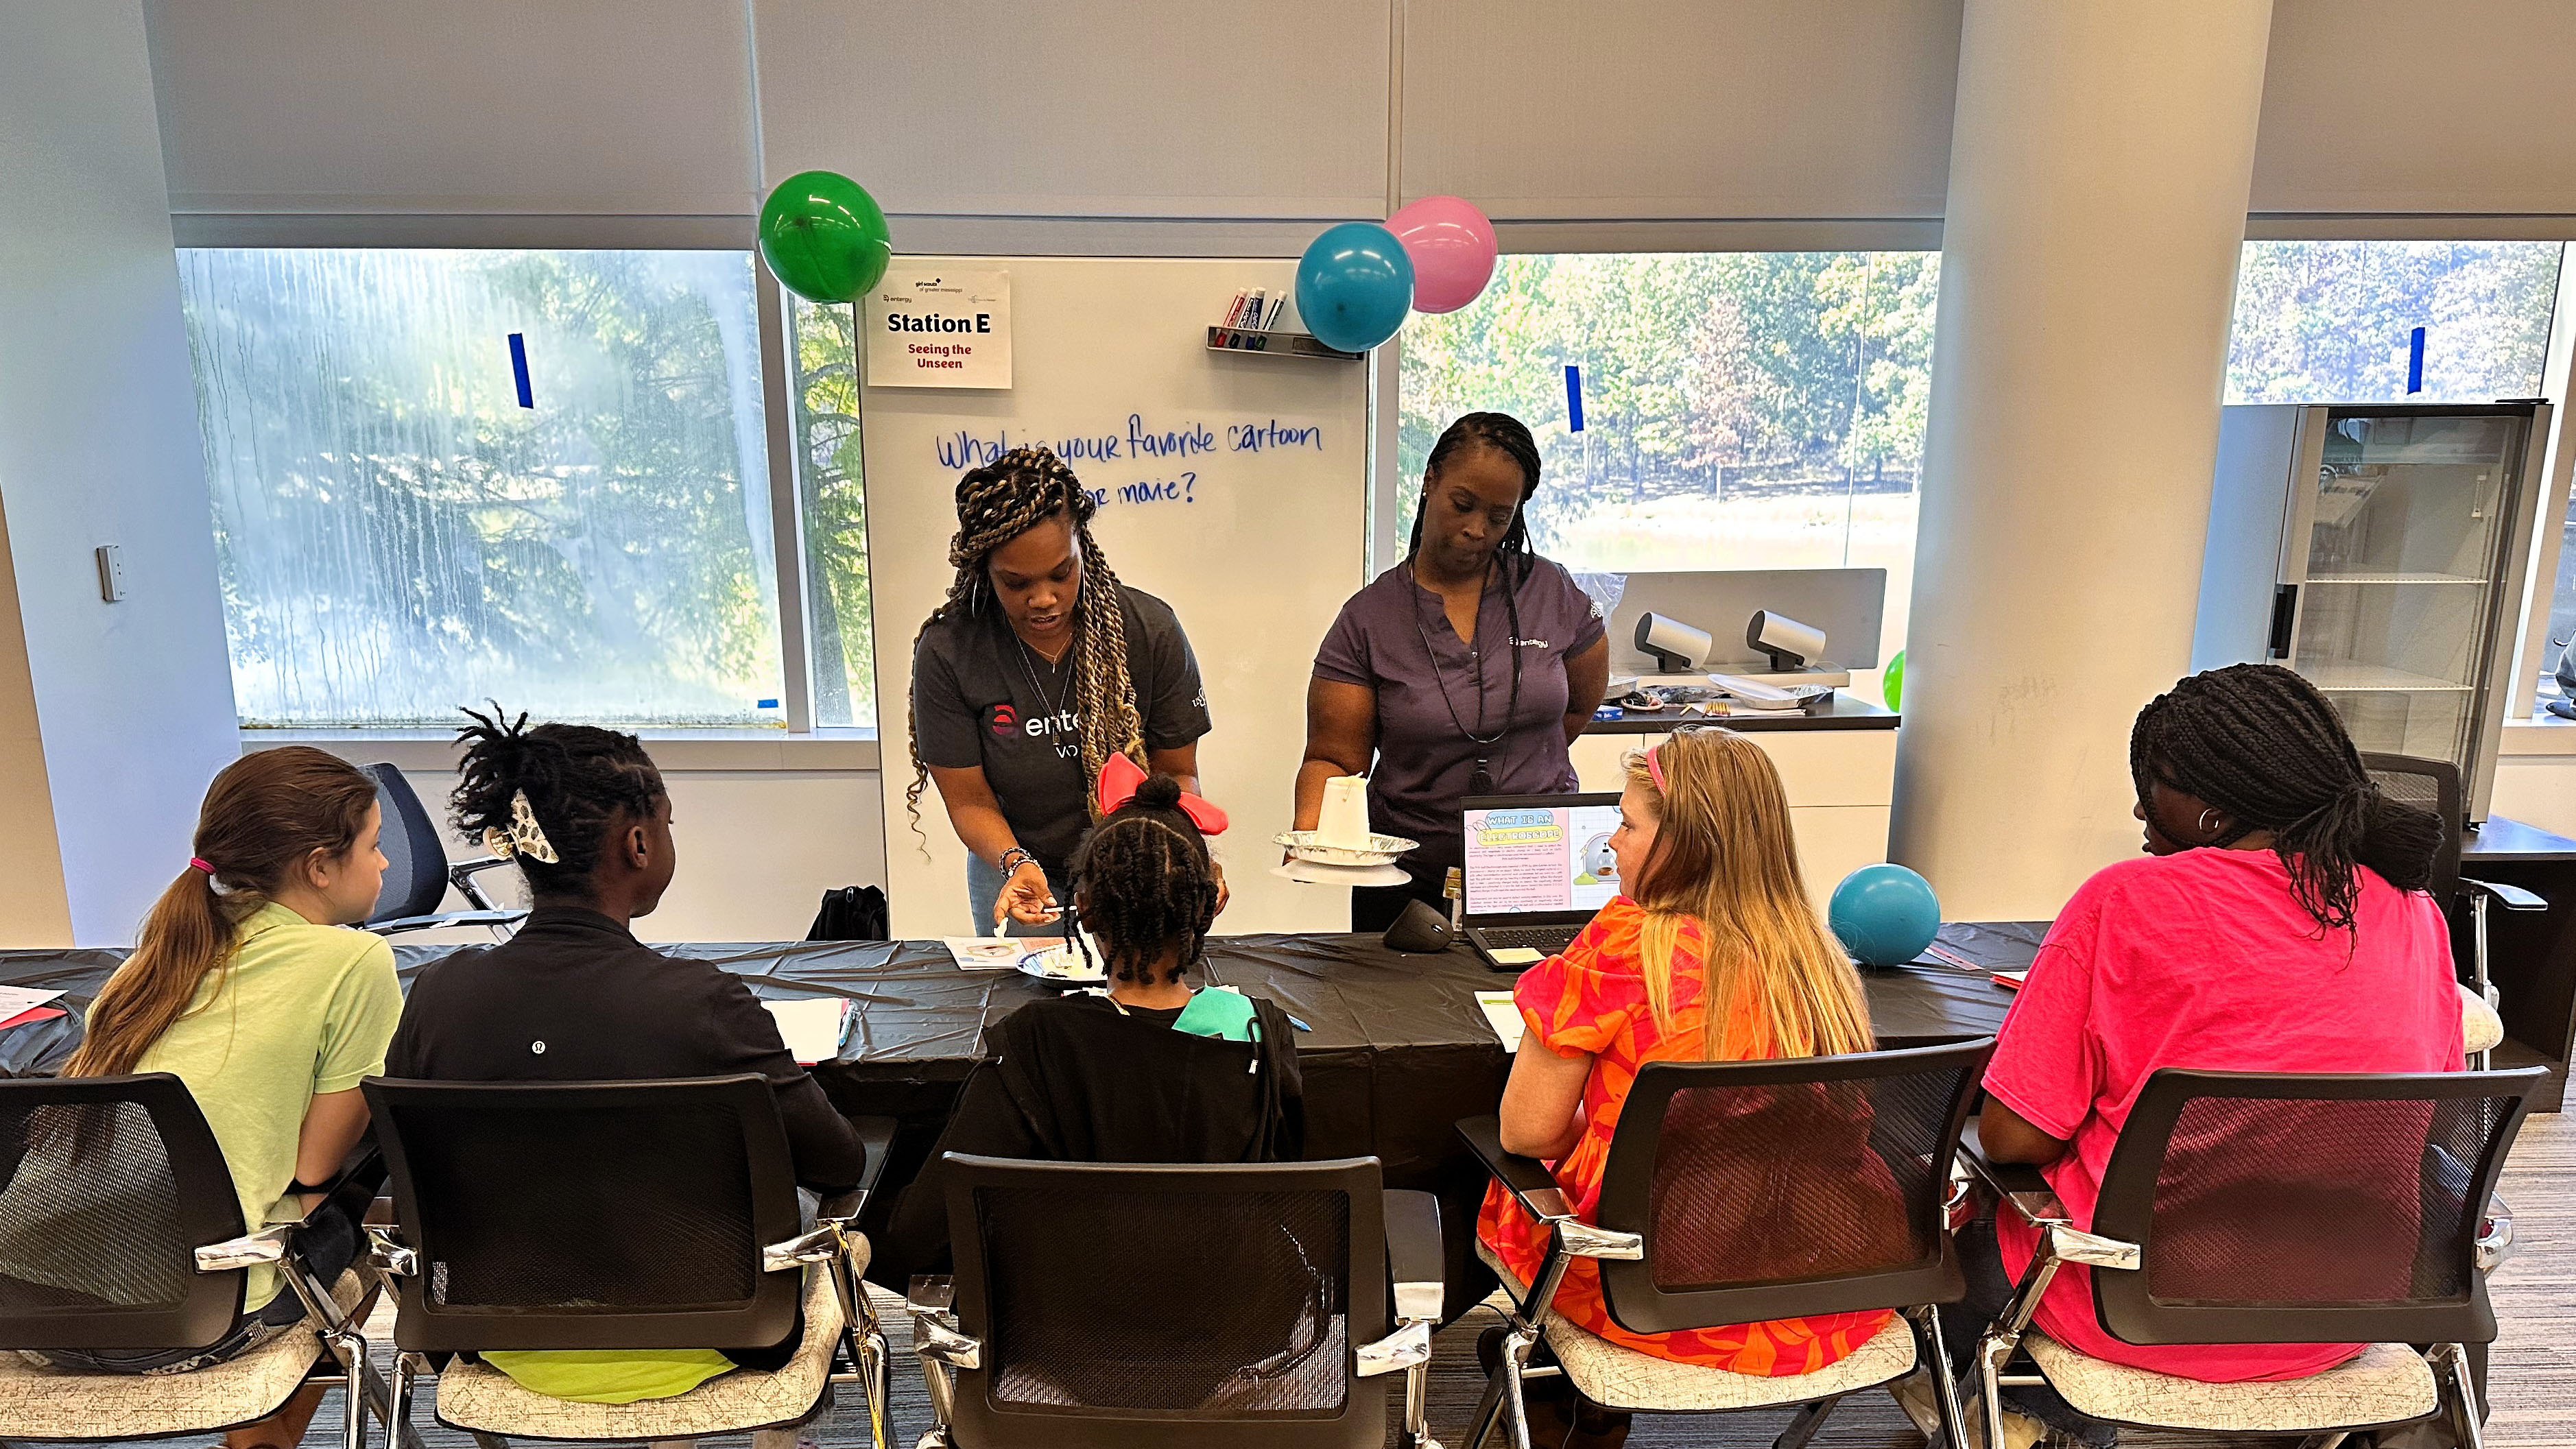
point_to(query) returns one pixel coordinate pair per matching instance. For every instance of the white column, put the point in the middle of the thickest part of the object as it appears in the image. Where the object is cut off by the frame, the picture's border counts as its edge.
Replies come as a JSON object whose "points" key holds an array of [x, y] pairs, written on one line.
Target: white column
{"points": [[2099, 166]]}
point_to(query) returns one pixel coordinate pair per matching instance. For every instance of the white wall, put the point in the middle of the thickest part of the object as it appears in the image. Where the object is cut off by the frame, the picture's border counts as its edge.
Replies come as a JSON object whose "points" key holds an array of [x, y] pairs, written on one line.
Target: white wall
{"points": [[99, 445], [757, 849]]}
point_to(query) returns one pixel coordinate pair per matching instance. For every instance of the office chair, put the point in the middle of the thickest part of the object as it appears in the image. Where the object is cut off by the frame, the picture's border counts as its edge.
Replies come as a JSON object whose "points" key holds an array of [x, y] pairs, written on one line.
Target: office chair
{"points": [[609, 1215], [418, 873], [2435, 785], [2275, 1207], [1738, 1192], [119, 1208], [1152, 1306]]}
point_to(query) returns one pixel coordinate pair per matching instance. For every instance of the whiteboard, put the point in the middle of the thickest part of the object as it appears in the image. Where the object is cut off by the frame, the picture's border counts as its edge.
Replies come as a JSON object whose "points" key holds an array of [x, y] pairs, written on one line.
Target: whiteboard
{"points": [[1250, 525]]}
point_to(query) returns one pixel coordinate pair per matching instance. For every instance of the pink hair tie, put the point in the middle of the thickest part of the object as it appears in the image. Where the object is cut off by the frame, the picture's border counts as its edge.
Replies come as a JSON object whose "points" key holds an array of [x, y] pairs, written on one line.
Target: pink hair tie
{"points": [[1655, 769], [201, 865]]}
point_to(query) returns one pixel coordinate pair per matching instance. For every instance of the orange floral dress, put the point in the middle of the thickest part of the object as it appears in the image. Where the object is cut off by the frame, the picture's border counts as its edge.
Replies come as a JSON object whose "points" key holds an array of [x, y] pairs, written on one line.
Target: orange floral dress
{"points": [[1592, 1001]]}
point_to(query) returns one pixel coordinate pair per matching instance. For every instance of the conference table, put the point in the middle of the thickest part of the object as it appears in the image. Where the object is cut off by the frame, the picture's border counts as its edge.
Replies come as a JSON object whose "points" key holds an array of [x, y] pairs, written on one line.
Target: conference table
{"points": [[1394, 1051]]}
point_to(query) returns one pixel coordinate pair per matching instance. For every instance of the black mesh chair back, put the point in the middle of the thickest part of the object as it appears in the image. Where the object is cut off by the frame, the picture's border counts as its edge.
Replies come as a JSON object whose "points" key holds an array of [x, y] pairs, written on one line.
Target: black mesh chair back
{"points": [[2306, 1208], [554, 1215], [2427, 785], [1125, 1305], [415, 857], [1773, 1189], [111, 1184]]}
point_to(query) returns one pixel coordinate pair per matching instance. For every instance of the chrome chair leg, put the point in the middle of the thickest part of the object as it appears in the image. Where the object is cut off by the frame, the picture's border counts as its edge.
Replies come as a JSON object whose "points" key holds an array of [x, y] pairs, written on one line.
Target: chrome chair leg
{"points": [[2464, 1396], [1933, 1347], [1516, 1351], [1489, 1412], [350, 1348], [1993, 1350]]}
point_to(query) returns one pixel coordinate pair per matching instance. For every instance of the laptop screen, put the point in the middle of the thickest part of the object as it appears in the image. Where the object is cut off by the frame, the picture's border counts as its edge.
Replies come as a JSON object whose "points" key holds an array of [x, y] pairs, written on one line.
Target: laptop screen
{"points": [[1540, 855]]}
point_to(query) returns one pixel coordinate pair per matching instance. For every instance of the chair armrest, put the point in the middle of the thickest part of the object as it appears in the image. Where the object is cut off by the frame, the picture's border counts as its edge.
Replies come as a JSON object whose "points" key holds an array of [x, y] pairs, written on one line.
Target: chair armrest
{"points": [[2495, 1235], [1408, 1346], [2017, 1184], [461, 873], [2511, 897], [265, 1247], [388, 1254], [452, 918], [1525, 1178], [1413, 1255], [934, 1325]]}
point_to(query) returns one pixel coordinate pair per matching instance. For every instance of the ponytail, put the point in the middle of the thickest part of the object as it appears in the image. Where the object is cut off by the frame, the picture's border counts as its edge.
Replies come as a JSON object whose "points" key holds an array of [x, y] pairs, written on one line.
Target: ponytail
{"points": [[263, 817]]}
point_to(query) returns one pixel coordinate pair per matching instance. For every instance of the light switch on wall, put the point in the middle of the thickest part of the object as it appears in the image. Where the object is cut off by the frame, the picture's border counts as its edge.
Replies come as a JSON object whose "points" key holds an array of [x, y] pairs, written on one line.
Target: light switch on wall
{"points": [[111, 572]]}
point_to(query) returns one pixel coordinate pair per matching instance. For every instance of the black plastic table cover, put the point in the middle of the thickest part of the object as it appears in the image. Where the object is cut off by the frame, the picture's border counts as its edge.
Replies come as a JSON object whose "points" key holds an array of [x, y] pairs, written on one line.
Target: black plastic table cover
{"points": [[1395, 1049]]}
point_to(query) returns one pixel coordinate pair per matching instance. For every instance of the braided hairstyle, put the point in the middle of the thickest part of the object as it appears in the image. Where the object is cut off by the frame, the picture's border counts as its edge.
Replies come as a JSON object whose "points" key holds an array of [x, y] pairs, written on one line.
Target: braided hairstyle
{"points": [[2260, 744], [1506, 435], [577, 778], [1151, 884], [995, 504]]}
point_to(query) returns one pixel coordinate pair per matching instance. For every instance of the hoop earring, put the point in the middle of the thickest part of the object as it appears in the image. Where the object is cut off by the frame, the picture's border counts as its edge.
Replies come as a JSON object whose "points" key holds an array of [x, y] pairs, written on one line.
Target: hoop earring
{"points": [[2205, 827]]}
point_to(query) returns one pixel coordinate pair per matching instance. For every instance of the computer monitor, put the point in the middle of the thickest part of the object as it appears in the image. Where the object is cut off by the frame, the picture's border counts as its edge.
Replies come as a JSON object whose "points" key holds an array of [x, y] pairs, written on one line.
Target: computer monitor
{"points": [[1538, 859]]}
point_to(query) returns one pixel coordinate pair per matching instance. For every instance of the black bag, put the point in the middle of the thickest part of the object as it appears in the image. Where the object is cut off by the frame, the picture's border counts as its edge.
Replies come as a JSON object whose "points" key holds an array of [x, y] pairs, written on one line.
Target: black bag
{"points": [[852, 913]]}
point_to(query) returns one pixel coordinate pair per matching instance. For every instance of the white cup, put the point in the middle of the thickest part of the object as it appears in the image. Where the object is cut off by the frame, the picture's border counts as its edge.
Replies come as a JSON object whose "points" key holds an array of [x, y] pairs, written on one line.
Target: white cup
{"points": [[1344, 820]]}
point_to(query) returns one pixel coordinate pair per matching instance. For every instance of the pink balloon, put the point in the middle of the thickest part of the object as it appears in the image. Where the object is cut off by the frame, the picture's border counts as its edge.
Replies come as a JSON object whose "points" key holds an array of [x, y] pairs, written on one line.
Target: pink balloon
{"points": [[1452, 246]]}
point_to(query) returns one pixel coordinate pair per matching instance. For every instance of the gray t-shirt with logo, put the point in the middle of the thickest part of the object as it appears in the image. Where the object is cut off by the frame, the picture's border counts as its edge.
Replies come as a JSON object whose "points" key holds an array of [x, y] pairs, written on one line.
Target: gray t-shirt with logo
{"points": [[981, 697]]}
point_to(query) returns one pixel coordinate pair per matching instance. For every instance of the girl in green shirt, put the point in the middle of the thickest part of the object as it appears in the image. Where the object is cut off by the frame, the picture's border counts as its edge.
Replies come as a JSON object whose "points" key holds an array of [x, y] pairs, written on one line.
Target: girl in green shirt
{"points": [[244, 986]]}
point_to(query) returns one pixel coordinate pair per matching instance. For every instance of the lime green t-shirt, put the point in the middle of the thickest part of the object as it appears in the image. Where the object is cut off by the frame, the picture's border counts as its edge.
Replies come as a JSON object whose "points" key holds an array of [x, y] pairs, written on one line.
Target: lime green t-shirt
{"points": [[301, 1010]]}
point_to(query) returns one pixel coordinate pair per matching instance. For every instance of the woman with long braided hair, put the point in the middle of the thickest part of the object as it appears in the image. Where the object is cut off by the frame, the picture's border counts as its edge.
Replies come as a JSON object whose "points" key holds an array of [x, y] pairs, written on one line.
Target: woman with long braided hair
{"points": [[1037, 668], [2278, 923], [1466, 669]]}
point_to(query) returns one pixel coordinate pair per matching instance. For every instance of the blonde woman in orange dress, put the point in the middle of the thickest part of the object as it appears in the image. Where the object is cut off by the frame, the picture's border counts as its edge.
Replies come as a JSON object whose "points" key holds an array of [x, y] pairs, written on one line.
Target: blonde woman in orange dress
{"points": [[1715, 911]]}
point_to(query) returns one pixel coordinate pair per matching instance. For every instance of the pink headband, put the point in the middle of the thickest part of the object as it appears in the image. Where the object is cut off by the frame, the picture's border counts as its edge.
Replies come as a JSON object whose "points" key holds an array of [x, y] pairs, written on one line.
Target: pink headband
{"points": [[1655, 769]]}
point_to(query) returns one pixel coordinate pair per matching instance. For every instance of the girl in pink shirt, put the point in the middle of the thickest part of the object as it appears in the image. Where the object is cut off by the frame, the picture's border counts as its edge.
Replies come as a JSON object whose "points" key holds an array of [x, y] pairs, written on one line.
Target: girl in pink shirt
{"points": [[2279, 923]]}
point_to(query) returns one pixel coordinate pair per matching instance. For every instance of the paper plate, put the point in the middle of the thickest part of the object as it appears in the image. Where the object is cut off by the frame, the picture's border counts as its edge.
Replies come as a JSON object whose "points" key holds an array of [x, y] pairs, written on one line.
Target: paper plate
{"points": [[1062, 965], [1307, 872], [1380, 850]]}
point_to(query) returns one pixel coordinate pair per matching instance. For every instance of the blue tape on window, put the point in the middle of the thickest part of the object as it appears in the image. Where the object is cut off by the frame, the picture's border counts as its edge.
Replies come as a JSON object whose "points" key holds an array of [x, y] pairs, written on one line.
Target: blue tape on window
{"points": [[2415, 361], [1573, 398], [764, 704], [519, 368]]}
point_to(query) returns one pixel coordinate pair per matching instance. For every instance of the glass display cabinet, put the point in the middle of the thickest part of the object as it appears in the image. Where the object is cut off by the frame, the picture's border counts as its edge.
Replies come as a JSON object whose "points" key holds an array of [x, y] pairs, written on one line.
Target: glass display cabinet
{"points": [[2380, 551]]}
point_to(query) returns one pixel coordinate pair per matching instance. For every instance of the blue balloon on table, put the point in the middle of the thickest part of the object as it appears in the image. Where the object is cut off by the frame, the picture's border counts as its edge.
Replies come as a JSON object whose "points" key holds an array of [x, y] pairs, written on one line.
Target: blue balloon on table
{"points": [[1884, 914], [1354, 286]]}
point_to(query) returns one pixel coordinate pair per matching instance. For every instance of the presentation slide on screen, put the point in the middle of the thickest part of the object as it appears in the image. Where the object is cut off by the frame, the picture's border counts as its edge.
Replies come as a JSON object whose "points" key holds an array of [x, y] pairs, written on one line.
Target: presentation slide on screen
{"points": [[1541, 858]]}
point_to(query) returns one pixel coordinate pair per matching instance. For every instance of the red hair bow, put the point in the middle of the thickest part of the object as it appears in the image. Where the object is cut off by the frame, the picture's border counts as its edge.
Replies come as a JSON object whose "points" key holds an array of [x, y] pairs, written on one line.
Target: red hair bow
{"points": [[1119, 777]]}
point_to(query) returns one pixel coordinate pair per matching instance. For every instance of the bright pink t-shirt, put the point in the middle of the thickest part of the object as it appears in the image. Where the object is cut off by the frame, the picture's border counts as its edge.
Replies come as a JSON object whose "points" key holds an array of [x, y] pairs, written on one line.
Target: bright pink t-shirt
{"points": [[2204, 960]]}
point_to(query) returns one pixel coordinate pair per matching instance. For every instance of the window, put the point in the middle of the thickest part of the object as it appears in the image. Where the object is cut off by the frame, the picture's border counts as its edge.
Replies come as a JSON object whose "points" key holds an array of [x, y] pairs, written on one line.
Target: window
{"points": [[1740, 409], [2333, 321], [836, 516], [445, 476]]}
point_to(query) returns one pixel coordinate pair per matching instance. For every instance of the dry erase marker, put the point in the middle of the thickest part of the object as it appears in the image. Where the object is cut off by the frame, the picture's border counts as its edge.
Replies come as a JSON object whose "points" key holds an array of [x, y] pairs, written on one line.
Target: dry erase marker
{"points": [[1233, 316], [1253, 313]]}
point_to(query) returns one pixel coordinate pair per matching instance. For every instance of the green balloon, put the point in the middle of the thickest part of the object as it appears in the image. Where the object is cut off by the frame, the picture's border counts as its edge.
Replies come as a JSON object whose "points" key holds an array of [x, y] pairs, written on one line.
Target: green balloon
{"points": [[1892, 685], [825, 237]]}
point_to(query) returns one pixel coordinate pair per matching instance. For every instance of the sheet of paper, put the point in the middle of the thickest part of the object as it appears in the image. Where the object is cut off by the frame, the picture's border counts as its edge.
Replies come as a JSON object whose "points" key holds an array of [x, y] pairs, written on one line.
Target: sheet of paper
{"points": [[811, 1026], [2013, 979], [1503, 1017], [987, 953], [15, 1000]]}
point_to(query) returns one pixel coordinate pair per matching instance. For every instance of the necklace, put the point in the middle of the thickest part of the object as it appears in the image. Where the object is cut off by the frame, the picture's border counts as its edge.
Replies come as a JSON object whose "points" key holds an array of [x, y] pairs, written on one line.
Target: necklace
{"points": [[1054, 701], [1481, 781]]}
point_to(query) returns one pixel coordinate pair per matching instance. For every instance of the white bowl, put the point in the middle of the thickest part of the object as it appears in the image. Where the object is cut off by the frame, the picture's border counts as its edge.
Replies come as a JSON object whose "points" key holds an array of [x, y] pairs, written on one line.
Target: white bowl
{"points": [[1380, 850]]}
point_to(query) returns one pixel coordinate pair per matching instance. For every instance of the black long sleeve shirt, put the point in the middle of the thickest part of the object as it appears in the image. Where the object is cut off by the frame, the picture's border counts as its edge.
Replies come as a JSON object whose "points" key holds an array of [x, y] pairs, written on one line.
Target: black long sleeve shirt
{"points": [[575, 998]]}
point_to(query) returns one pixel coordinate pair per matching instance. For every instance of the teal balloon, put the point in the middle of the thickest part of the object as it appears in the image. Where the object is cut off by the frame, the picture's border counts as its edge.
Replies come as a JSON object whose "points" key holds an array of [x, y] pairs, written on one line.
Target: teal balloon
{"points": [[825, 237], [1892, 684], [1354, 286], [1884, 914]]}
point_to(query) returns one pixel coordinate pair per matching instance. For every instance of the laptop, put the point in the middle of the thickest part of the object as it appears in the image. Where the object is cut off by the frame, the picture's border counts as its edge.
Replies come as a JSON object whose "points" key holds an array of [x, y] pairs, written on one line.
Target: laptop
{"points": [[1537, 867]]}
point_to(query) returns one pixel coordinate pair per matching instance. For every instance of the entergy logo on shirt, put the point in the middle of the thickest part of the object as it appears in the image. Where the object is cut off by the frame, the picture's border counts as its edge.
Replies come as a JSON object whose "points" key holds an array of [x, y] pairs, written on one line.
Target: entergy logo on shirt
{"points": [[1063, 728]]}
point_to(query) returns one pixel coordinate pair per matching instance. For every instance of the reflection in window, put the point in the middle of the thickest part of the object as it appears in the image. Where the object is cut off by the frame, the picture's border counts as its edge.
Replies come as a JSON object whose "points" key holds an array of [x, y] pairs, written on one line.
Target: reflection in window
{"points": [[399, 536], [836, 517], [1741, 409]]}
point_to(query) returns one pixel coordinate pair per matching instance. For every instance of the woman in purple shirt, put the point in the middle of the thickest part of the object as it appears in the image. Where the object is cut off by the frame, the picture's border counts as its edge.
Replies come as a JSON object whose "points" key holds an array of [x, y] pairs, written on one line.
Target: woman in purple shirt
{"points": [[1467, 669]]}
